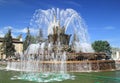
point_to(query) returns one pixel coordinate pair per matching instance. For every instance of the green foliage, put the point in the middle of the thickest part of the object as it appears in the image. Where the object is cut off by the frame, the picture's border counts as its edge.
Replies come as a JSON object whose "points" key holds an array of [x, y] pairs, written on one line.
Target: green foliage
{"points": [[102, 46], [8, 46], [27, 41]]}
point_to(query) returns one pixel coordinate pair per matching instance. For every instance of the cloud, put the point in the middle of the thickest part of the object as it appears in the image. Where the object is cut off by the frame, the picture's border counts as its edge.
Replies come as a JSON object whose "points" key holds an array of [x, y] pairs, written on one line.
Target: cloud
{"points": [[16, 31], [109, 28], [72, 3], [10, 2], [1, 34], [114, 42], [2, 2], [7, 27], [4, 30], [24, 30], [19, 30]]}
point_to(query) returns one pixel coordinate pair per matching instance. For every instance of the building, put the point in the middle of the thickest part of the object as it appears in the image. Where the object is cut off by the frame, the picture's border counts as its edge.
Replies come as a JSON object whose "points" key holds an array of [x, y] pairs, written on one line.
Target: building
{"points": [[116, 55], [18, 46]]}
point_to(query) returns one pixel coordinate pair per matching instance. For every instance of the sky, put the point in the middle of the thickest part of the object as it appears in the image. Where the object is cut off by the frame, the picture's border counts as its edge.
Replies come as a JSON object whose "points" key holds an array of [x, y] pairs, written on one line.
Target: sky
{"points": [[102, 17]]}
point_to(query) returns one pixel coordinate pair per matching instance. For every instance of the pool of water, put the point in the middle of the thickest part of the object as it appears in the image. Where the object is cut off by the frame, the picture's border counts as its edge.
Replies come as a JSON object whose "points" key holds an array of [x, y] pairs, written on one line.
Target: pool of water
{"points": [[89, 77]]}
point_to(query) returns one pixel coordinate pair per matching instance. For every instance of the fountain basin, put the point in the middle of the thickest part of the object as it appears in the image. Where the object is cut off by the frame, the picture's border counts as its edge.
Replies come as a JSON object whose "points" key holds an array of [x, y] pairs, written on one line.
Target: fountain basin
{"points": [[71, 66]]}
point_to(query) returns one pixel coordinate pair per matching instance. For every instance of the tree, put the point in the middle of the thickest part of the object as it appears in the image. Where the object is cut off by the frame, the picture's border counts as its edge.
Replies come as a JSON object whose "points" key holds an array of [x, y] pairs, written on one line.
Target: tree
{"points": [[102, 46], [33, 39], [39, 37], [8, 46], [27, 41]]}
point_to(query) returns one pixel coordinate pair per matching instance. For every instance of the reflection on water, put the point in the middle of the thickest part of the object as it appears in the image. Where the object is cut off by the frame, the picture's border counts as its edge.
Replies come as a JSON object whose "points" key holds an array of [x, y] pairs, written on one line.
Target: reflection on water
{"points": [[89, 77], [99, 77]]}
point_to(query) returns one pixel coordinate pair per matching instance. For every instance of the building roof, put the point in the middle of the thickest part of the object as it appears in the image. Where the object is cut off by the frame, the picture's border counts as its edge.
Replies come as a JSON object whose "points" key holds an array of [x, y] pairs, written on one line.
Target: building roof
{"points": [[15, 40]]}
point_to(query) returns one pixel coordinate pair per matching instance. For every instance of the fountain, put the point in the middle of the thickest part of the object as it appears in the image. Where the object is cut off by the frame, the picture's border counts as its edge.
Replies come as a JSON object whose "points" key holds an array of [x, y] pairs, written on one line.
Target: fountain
{"points": [[70, 23], [50, 60]]}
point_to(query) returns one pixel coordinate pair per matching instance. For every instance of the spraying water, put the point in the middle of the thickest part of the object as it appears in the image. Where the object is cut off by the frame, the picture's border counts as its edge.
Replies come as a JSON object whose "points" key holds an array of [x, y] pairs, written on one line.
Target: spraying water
{"points": [[69, 19], [46, 61]]}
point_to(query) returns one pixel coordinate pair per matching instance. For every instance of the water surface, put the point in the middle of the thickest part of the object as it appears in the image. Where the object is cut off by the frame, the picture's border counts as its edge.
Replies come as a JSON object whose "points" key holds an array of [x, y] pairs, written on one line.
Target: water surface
{"points": [[89, 77]]}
